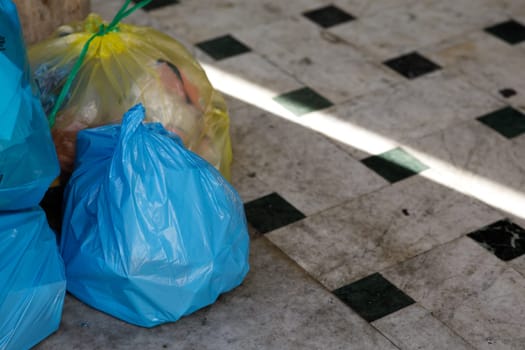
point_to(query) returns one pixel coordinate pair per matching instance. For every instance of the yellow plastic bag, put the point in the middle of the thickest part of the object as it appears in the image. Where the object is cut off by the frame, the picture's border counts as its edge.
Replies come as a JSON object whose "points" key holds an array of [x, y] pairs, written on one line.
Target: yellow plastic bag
{"points": [[123, 67]]}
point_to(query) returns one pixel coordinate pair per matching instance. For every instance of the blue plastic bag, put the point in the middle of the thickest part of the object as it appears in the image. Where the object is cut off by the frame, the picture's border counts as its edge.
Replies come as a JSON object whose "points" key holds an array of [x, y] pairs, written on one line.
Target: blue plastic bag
{"points": [[151, 231], [28, 160], [32, 280]]}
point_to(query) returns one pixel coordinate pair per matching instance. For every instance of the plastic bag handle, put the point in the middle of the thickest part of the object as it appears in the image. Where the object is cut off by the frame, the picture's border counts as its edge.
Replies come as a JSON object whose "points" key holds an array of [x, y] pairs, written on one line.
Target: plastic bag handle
{"points": [[103, 30], [131, 121]]}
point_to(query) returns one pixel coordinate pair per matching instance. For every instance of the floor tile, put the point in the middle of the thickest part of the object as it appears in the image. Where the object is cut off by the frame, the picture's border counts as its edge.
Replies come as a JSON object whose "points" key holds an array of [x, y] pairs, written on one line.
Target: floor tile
{"points": [[412, 65], [307, 39], [493, 317], [247, 184], [432, 103], [395, 165], [507, 121], [271, 212], [302, 101], [403, 29], [365, 8], [320, 60], [485, 62], [511, 31], [328, 16], [504, 239], [221, 17], [518, 264], [414, 328], [223, 47], [277, 307], [304, 167], [381, 229], [473, 46], [359, 77], [445, 278], [156, 4], [469, 157], [250, 78], [373, 297]]}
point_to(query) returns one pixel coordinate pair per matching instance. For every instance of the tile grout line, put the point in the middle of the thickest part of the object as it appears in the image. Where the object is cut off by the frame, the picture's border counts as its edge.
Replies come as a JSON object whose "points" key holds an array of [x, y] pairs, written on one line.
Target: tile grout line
{"points": [[313, 279], [431, 313]]}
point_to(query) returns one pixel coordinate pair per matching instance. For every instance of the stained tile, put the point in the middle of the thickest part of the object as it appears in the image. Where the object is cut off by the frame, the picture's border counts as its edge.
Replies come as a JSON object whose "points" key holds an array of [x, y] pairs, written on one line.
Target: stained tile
{"points": [[197, 21], [414, 328], [304, 167], [503, 238], [328, 16], [261, 81], [412, 26], [395, 165], [366, 8], [223, 47], [412, 65], [276, 41], [156, 4], [485, 62], [380, 229], [446, 277], [383, 119], [507, 121], [510, 31], [302, 101], [319, 59], [247, 184], [271, 212], [469, 157], [468, 289], [373, 297], [492, 318]]}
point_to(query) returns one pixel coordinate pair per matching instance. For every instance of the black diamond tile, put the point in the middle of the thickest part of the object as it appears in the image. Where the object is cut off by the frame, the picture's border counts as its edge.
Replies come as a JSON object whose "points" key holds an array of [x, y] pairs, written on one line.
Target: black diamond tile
{"points": [[503, 238], [394, 165], [223, 47], [270, 213], [412, 65], [510, 31], [328, 16], [507, 121], [155, 4], [373, 297], [302, 101]]}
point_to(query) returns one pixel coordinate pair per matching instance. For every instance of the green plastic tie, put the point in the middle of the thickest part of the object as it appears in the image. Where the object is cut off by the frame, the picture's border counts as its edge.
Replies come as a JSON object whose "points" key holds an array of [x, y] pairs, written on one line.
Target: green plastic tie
{"points": [[103, 30]]}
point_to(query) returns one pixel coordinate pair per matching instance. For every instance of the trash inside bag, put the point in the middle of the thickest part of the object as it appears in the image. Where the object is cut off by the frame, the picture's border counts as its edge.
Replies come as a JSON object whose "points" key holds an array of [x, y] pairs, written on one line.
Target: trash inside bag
{"points": [[151, 231], [32, 279], [122, 68], [28, 161]]}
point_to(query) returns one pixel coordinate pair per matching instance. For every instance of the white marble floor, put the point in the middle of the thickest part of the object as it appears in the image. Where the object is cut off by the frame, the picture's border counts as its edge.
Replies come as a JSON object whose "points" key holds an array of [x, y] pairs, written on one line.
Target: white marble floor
{"points": [[379, 147]]}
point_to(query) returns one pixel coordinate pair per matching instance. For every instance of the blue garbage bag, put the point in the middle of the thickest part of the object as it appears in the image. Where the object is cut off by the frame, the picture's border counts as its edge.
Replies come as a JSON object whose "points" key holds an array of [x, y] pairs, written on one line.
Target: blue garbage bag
{"points": [[32, 279], [151, 231], [28, 160]]}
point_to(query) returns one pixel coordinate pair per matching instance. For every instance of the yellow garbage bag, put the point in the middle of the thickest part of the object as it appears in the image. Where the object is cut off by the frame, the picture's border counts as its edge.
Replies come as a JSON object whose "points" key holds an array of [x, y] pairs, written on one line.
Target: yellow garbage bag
{"points": [[121, 68]]}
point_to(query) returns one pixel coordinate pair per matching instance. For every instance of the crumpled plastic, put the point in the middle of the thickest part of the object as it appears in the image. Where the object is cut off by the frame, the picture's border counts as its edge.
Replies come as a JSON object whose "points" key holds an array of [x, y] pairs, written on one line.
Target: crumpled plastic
{"points": [[32, 280], [121, 69], [151, 231], [28, 161]]}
